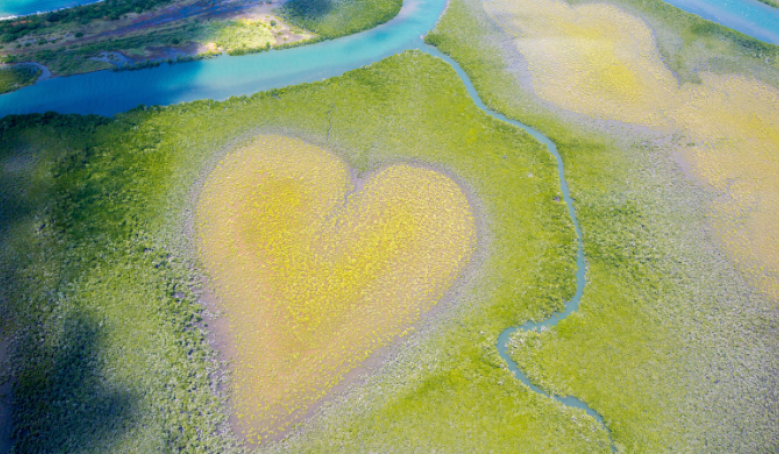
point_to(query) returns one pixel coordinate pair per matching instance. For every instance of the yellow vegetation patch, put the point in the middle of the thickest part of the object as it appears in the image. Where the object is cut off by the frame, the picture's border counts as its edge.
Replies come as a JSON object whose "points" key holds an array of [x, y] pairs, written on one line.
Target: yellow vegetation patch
{"points": [[734, 122], [593, 59], [600, 61], [315, 275]]}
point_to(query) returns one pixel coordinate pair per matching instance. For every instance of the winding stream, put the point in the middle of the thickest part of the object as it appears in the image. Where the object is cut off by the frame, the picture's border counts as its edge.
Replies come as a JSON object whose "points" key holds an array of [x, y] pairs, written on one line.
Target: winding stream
{"points": [[108, 93], [573, 303]]}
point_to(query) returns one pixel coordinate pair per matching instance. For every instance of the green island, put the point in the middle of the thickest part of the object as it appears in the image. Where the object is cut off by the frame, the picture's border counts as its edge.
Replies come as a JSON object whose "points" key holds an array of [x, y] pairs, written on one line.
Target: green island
{"points": [[170, 32], [674, 343], [121, 35], [15, 77]]}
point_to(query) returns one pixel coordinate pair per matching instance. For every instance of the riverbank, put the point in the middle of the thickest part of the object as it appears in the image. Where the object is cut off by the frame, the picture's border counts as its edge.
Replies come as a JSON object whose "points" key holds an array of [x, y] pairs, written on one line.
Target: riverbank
{"points": [[14, 77], [65, 9], [186, 29], [671, 345]]}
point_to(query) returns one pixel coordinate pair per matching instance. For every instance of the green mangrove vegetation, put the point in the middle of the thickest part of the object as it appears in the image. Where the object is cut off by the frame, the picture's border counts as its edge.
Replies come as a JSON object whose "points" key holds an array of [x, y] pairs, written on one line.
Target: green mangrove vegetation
{"points": [[71, 42], [15, 77], [104, 10], [100, 283], [670, 345], [333, 18], [107, 353], [100, 288], [145, 47]]}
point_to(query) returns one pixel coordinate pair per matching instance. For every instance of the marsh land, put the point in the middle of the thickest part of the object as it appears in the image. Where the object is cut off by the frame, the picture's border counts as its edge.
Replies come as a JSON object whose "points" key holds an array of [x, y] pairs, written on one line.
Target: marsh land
{"points": [[173, 31], [363, 241], [182, 29]]}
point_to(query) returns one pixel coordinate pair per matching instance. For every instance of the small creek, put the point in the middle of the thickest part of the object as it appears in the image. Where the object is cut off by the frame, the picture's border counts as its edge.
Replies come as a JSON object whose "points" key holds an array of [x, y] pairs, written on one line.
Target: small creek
{"points": [[573, 304]]}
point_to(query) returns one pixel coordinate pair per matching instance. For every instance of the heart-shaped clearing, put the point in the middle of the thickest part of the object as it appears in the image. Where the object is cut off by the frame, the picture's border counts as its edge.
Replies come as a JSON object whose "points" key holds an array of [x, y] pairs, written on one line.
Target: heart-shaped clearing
{"points": [[315, 277]]}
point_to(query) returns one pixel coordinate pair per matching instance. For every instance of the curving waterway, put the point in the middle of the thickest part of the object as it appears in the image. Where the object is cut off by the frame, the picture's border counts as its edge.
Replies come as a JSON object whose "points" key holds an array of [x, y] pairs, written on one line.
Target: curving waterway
{"points": [[108, 93], [573, 303]]}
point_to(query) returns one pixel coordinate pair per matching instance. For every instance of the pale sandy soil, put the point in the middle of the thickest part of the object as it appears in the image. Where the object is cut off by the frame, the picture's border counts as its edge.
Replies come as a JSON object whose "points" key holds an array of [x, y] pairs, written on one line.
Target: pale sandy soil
{"points": [[598, 61]]}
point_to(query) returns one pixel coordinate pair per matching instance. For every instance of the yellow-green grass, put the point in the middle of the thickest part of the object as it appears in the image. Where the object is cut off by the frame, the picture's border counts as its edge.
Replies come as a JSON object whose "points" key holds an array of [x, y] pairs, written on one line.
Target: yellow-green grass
{"points": [[600, 61], [116, 194], [313, 283], [233, 35], [670, 344], [670, 347], [333, 18]]}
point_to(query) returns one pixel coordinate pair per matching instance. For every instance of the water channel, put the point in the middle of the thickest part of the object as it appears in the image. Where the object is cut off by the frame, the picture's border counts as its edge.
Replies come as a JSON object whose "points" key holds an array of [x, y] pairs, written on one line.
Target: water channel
{"points": [[108, 93], [573, 303]]}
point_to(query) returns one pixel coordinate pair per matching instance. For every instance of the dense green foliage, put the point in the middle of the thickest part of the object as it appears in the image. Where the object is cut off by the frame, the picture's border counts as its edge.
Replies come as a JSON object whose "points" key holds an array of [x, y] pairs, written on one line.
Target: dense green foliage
{"points": [[334, 18], [99, 282], [667, 331], [15, 77], [67, 62], [10, 30], [108, 354]]}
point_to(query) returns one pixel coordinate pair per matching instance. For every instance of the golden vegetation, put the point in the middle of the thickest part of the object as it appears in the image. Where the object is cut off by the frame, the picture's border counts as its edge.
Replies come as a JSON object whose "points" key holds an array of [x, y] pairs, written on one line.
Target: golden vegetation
{"points": [[597, 60], [315, 275], [593, 59], [734, 123]]}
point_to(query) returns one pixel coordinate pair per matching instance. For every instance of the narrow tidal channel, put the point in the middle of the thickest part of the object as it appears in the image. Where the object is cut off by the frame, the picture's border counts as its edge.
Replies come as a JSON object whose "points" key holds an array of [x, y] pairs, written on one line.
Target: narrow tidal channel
{"points": [[581, 269]]}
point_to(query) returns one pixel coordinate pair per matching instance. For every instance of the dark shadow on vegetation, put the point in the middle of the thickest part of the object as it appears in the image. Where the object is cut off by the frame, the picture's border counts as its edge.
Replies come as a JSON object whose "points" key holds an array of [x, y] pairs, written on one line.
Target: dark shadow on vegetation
{"points": [[16, 166], [307, 10], [28, 185], [66, 191], [63, 401]]}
